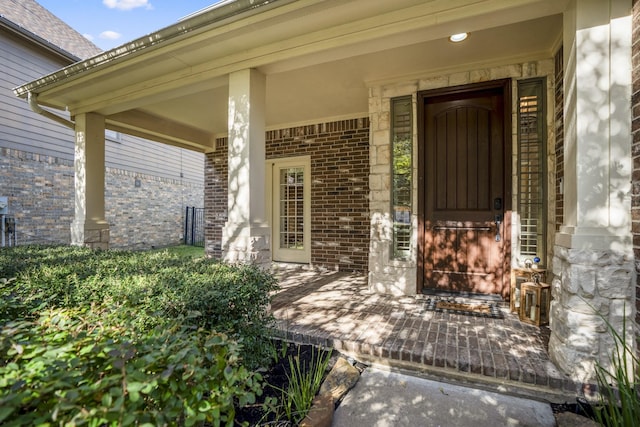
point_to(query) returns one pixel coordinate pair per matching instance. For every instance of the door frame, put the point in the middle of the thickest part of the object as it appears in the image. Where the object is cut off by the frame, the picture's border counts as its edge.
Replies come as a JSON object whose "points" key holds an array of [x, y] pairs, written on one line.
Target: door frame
{"points": [[303, 256], [506, 86]]}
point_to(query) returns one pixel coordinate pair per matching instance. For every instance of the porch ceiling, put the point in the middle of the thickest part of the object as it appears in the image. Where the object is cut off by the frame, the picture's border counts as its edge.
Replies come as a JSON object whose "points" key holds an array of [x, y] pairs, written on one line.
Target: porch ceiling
{"points": [[319, 57]]}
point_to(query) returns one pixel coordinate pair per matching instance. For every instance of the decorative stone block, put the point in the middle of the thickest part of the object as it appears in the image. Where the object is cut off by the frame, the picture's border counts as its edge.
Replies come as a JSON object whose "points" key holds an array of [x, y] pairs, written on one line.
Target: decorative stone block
{"points": [[383, 154], [529, 69], [477, 76], [375, 182], [506, 71], [400, 89], [614, 282], [377, 196], [580, 279], [375, 120], [584, 305], [579, 366], [581, 331], [374, 101], [379, 137], [619, 310], [259, 243], [556, 288], [340, 379], [383, 121], [545, 67], [433, 83], [92, 236], [321, 412]]}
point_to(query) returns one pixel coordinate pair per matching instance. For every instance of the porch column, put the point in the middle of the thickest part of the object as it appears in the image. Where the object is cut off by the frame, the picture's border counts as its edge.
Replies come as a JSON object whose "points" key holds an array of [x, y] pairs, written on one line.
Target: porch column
{"points": [[246, 235], [89, 227], [593, 257]]}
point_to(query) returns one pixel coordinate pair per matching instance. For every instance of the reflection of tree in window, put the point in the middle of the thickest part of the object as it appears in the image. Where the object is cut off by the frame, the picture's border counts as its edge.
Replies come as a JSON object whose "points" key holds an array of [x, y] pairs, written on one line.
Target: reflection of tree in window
{"points": [[402, 142]]}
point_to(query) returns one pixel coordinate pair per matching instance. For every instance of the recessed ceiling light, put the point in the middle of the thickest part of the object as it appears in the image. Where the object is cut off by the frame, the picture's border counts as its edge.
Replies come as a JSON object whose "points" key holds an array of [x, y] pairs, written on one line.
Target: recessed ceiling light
{"points": [[456, 38]]}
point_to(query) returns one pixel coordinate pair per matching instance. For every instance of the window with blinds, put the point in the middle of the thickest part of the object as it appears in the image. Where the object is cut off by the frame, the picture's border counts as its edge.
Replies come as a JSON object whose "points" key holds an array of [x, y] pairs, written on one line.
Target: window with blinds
{"points": [[532, 169], [401, 165]]}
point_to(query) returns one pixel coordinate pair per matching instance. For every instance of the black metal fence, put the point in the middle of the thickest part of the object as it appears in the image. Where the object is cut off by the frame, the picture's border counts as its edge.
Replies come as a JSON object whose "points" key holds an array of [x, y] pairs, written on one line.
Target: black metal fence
{"points": [[194, 226]]}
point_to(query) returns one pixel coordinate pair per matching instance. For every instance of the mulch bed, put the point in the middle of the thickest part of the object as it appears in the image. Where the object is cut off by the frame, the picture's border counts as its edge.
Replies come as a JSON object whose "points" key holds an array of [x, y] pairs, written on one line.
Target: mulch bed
{"points": [[581, 407], [277, 378]]}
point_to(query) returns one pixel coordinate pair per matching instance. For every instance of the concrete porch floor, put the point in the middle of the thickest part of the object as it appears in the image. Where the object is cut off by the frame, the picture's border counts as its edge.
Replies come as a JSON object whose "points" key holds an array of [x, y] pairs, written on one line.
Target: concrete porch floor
{"points": [[336, 310]]}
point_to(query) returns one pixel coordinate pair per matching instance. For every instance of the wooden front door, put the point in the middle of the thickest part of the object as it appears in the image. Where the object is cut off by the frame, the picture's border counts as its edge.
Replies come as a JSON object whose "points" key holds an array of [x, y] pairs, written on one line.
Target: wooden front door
{"points": [[465, 194]]}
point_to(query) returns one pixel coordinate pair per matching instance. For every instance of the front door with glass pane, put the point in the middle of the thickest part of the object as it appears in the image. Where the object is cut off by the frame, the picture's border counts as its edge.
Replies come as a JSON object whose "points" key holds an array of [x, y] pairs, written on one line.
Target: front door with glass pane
{"points": [[291, 210]]}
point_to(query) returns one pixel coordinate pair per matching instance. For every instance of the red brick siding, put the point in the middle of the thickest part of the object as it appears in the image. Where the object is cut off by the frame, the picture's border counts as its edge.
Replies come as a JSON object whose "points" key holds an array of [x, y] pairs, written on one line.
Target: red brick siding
{"points": [[339, 189], [635, 148], [559, 128], [215, 197]]}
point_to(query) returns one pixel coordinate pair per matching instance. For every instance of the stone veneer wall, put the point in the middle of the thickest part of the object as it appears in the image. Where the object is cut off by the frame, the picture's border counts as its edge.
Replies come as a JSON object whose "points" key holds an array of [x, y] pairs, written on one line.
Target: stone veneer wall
{"points": [[585, 280], [41, 198], [339, 189], [396, 276]]}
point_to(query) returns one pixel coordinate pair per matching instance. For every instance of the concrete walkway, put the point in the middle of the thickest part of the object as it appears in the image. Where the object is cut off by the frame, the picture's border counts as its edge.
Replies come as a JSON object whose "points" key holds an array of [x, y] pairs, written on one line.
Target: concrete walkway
{"points": [[390, 399], [335, 309]]}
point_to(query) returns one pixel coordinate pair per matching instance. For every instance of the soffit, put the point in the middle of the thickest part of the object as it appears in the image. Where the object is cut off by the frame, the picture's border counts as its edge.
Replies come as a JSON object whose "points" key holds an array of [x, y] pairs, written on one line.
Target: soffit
{"points": [[340, 88]]}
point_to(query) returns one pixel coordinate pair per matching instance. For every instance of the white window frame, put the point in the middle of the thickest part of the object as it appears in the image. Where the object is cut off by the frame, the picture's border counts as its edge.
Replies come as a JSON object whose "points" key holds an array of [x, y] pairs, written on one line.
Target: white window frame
{"points": [[273, 194]]}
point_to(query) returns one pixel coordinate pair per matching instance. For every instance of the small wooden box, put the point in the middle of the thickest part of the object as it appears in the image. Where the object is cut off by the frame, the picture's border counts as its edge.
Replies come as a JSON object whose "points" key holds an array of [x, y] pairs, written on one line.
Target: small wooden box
{"points": [[535, 303]]}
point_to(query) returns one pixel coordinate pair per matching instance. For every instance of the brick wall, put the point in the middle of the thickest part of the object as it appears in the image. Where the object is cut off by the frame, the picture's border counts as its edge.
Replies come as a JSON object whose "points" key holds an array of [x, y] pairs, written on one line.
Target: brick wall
{"points": [[40, 192], [41, 198], [339, 189], [635, 149], [559, 125], [148, 215], [215, 197]]}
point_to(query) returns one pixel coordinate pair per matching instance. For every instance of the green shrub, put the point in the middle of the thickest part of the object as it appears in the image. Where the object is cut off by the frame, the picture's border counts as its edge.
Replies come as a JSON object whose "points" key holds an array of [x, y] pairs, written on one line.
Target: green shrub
{"points": [[90, 367], [619, 385], [233, 300], [159, 285], [120, 338]]}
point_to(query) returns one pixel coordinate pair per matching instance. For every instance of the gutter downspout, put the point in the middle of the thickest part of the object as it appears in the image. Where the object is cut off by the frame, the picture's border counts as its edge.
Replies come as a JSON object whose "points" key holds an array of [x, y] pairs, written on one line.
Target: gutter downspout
{"points": [[32, 99]]}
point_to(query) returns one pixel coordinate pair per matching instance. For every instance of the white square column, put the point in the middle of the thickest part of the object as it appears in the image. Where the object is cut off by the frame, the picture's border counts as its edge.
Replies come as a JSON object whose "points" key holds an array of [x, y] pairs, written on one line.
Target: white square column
{"points": [[89, 227], [593, 255], [246, 235]]}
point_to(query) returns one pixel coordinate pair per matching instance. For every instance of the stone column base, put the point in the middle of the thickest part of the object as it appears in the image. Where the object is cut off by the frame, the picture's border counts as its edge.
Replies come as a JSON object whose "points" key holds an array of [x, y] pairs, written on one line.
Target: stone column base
{"points": [[590, 289], [94, 236], [247, 244]]}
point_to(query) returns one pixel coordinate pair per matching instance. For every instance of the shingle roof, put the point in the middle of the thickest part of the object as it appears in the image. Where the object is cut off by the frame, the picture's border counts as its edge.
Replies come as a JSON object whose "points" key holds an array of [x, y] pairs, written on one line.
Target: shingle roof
{"points": [[34, 18]]}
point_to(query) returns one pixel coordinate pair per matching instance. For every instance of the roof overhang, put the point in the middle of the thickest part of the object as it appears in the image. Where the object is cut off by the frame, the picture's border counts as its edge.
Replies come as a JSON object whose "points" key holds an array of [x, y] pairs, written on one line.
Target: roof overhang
{"points": [[319, 57]]}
